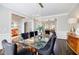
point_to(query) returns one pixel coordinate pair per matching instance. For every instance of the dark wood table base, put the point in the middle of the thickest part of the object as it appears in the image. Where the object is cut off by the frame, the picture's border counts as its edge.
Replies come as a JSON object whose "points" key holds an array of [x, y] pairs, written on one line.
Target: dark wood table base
{"points": [[32, 49]]}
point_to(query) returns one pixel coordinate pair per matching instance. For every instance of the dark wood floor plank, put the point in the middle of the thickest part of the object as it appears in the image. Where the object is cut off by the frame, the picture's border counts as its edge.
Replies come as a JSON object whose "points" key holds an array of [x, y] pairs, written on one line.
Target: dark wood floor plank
{"points": [[61, 48]]}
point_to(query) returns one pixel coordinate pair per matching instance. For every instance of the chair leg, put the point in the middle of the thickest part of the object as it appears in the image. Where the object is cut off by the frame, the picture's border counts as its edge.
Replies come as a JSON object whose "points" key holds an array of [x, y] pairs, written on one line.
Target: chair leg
{"points": [[52, 53], [36, 53]]}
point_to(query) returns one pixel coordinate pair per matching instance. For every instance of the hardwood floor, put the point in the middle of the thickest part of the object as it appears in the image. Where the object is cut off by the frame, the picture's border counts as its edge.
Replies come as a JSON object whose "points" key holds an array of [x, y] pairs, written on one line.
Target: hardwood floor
{"points": [[61, 48]]}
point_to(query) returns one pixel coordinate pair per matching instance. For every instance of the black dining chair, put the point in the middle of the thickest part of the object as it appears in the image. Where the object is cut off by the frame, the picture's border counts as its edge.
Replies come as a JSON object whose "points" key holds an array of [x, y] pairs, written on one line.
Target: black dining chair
{"points": [[25, 35], [49, 47]]}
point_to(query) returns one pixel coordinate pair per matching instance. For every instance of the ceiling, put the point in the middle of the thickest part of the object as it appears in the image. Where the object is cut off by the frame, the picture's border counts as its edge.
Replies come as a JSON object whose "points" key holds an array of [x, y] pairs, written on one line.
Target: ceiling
{"points": [[33, 9]]}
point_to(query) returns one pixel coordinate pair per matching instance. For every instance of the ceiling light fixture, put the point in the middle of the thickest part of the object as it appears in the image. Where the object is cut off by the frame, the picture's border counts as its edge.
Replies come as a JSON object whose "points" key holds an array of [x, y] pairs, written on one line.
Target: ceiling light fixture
{"points": [[41, 5]]}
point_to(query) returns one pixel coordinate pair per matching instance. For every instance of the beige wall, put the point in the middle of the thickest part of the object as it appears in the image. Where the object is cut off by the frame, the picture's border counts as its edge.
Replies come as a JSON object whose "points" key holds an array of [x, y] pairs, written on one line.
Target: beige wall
{"points": [[5, 22], [75, 12]]}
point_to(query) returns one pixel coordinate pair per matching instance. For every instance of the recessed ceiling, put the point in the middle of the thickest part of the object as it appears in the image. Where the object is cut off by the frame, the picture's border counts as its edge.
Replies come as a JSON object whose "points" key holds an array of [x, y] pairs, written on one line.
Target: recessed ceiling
{"points": [[34, 9]]}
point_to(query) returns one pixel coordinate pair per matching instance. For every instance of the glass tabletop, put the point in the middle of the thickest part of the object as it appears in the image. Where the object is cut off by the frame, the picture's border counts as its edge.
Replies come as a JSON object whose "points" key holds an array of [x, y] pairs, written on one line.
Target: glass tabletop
{"points": [[38, 42]]}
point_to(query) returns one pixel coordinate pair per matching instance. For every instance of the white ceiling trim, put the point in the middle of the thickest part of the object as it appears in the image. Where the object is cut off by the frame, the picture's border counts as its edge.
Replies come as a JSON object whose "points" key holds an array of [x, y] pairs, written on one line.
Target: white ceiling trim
{"points": [[52, 16]]}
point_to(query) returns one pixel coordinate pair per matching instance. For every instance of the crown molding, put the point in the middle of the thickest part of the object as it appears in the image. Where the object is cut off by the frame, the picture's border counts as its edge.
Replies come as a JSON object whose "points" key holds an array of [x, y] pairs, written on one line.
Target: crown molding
{"points": [[52, 16]]}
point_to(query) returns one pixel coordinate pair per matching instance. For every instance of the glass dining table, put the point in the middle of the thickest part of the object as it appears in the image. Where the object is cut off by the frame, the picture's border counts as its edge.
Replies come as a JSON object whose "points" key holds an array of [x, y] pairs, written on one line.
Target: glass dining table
{"points": [[35, 42], [32, 44]]}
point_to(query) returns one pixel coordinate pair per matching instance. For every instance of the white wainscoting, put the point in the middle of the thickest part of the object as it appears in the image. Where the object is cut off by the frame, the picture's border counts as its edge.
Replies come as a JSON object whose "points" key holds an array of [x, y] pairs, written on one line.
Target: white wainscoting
{"points": [[4, 36], [62, 34]]}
